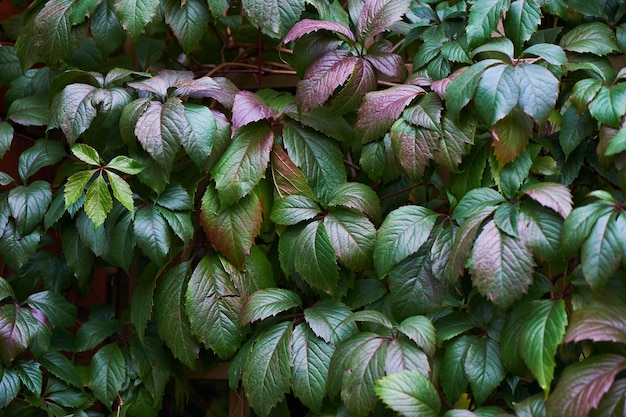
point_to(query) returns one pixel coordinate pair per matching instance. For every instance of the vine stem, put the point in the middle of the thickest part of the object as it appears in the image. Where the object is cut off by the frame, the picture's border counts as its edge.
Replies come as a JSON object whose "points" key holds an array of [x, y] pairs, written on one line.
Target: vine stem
{"points": [[404, 190]]}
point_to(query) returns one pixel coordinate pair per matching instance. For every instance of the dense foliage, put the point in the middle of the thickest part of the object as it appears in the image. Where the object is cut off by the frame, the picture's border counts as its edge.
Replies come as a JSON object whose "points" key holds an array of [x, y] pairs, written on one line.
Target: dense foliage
{"points": [[431, 222]]}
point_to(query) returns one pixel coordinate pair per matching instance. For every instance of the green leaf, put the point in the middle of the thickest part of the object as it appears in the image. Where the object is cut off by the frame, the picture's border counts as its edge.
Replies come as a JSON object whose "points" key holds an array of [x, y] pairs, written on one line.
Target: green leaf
{"points": [[267, 373], [269, 302], [464, 241], [106, 29], [372, 316], [601, 253], [121, 191], [319, 158], [142, 299], [9, 65], [421, 331], [402, 233], [74, 109], [188, 20], [475, 200], [200, 129], [273, 17], [501, 266], [409, 393], [593, 37], [327, 319], [356, 196], [522, 20], [125, 164], [483, 368], [134, 15], [28, 205], [575, 128], [75, 186], [484, 17], [231, 231], [6, 137], [30, 374], [601, 321], [86, 153], [78, 256], [462, 87], [98, 201], [498, 91], [288, 179], [359, 361], [169, 314], [152, 233], [582, 385], [180, 223], [55, 36], [452, 374], [584, 92], [9, 386], [542, 335], [175, 197], [311, 359], [538, 91], [61, 367], [413, 288], [294, 209], [29, 111], [617, 144], [213, 305], [609, 105], [352, 236], [57, 309], [552, 54], [244, 163], [15, 248], [107, 373], [316, 261], [5, 290], [579, 223], [93, 332], [541, 229]]}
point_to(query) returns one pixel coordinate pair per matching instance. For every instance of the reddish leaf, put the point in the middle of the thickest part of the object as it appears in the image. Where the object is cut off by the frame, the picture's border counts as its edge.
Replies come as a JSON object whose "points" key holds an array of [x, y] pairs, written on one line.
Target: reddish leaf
{"points": [[232, 231], [217, 88], [511, 135], [306, 26], [583, 384], [381, 56], [288, 179], [249, 107], [362, 80], [412, 147], [323, 77], [600, 321], [377, 15], [159, 84], [551, 195], [501, 266], [380, 109]]}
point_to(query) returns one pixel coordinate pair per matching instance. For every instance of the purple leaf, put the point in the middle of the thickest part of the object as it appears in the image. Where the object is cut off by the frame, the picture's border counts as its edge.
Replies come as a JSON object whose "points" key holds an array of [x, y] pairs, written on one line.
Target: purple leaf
{"points": [[248, 108], [551, 195], [377, 15], [583, 384], [380, 109], [288, 179], [362, 80], [603, 321], [217, 88], [323, 77], [412, 147], [160, 83], [388, 64], [306, 26]]}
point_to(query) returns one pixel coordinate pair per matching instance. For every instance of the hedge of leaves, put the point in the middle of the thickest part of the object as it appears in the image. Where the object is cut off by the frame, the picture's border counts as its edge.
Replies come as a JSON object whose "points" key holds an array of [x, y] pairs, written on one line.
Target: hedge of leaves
{"points": [[430, 223]]}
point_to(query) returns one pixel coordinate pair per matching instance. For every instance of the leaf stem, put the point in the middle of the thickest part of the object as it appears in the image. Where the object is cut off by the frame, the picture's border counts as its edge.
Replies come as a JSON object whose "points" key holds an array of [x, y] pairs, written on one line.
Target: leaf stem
{"points": [[404, 190]]}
